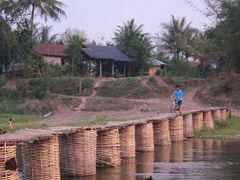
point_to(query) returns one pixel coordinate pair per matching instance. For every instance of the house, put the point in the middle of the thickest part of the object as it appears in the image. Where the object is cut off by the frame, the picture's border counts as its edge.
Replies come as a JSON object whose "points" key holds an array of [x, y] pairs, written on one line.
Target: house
{"points": [[102, 60], [52, 53], [154, 66], [109, 60]]}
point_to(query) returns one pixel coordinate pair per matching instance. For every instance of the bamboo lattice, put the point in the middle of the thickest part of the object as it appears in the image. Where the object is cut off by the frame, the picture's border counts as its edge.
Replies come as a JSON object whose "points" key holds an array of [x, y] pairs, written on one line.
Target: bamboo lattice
{"points": [[188, 125], [197, 121], [78, 153], [176, 129], [7, 152], [144, 137], [127, 142], [216, 115], [41, 160], [223, 114], [208, 120], [161, 133], [108, 148]]}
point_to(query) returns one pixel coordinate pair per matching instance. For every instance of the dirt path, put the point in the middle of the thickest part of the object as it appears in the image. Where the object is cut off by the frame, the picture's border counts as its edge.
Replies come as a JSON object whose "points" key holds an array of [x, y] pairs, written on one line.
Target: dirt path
{"points": [[65, 116]]}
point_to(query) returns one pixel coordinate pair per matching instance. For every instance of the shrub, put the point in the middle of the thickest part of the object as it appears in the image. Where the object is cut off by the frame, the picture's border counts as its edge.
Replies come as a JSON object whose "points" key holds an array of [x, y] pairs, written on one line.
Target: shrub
{"points": [[3, 81], [38, 87], [23, 88], [64, 85], [9, 101], [54, 70], [87, 83], [130, 87]]}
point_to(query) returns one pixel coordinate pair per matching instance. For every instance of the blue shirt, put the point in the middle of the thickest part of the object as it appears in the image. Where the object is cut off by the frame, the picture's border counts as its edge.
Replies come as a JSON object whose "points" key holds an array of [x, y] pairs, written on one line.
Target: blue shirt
{"points": [[178, 94]]}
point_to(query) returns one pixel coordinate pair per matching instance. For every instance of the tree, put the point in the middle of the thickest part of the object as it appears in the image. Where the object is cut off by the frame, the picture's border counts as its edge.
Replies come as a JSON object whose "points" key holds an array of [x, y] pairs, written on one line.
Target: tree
{"points": [[46, 8], [225, 35], [74, 52], [177, 37], [8, 45], [136, 44], [67, 35], [43, 35]]}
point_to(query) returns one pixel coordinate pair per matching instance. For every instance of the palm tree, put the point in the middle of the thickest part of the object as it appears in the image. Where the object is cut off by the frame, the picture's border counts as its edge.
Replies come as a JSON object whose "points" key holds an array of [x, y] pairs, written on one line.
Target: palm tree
{"points": [[131, 39], [46, 8], [176, 35], [43, 35]]}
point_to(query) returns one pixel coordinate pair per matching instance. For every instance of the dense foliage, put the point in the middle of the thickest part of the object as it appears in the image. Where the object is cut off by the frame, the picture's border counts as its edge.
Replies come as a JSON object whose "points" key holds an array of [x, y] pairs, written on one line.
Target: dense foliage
{"points": [[131, 40]]}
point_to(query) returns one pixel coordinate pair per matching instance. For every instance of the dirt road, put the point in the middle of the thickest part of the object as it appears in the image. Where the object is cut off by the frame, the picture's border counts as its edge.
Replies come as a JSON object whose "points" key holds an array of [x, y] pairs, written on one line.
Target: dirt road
{"points": [[65, 116]]}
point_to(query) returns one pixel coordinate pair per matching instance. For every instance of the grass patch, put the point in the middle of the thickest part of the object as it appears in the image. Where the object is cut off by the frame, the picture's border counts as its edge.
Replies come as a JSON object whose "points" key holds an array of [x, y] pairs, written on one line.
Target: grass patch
{"points": [[228, 128], [130, 87], [100, 120], [109, 104], [20, 121]]}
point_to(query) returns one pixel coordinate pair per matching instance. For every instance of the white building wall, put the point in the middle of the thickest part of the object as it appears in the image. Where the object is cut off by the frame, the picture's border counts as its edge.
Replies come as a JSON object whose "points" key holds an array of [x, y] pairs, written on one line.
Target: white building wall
{"points": [[53, 60]]}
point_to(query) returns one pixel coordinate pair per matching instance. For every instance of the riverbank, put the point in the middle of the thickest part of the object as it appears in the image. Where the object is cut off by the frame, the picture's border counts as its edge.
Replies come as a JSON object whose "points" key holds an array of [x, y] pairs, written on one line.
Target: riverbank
{"points": [[223, 129]]}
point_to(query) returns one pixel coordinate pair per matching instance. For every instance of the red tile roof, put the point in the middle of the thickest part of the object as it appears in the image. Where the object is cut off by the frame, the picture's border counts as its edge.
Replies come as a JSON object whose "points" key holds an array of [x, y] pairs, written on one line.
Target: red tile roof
{"points": [[52, 50]]}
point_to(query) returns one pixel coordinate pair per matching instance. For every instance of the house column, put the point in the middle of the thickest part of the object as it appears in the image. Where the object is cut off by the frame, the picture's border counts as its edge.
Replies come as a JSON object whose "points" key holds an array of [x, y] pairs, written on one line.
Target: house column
{"points": [[113, 68], [124, 70], [100, 68]]}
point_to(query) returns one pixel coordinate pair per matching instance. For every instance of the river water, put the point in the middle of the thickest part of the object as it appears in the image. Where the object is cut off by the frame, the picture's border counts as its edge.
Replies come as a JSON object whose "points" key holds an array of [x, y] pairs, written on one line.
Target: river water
{"points": [[212, 159]]}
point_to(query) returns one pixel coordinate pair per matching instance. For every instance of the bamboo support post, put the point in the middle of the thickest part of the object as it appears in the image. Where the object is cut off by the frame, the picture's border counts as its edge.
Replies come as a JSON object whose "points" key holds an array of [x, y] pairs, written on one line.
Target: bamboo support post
{"points": [[127, 142], [41, 159], [216, 114], [8, 164], [228, 113], [188, 125], [208, 120], [161, 133], [78, 153], [176, 129], [108, 148], [144, 137], [223, 114], [197, 121]]}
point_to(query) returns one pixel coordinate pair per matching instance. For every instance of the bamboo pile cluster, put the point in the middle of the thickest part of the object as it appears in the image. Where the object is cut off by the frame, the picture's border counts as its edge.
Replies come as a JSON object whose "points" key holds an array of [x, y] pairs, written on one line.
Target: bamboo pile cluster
{"points": [[223, 114], [41, 159], [144, 137], [176, 129], [161, 133], [197, 121], [228, 113], [216, 115], [127, 142], [7, 154], [208, 120], [78, 153], [108, 148], [188, 125]]}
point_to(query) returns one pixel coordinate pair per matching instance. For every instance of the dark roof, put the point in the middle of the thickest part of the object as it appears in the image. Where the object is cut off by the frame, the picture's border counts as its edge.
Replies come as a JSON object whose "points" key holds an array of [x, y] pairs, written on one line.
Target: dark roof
{"points": [[105, 52], [156, 62], [52, 50]]}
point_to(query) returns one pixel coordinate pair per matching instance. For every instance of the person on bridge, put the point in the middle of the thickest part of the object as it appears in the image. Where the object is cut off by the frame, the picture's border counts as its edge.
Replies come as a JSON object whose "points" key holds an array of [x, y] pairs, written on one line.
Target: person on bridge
{"points": [[178, 93], [10, 125]]}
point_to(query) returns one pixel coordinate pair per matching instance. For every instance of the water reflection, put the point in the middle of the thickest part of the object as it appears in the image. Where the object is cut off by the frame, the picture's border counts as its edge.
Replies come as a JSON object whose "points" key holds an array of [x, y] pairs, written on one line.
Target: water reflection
{"points": [[194, 159]]}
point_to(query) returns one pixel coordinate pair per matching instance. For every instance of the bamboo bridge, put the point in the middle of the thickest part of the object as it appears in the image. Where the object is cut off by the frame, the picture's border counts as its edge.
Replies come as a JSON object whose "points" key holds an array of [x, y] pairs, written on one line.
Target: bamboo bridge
{"points": [[46, 154]]}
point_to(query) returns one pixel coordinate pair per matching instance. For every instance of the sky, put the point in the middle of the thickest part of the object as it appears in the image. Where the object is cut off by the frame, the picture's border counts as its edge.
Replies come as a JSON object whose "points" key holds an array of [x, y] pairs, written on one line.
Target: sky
{"points": [[99, 18]]}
